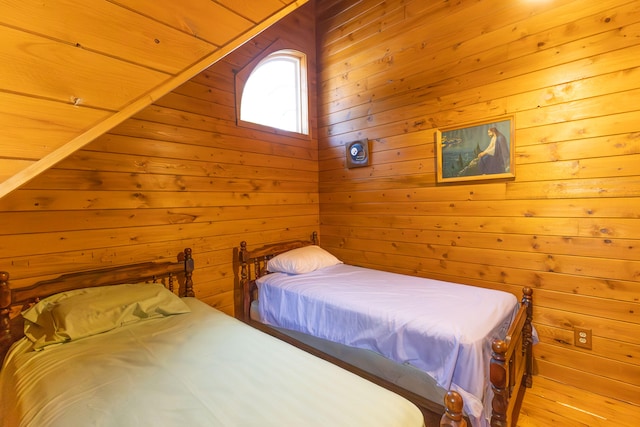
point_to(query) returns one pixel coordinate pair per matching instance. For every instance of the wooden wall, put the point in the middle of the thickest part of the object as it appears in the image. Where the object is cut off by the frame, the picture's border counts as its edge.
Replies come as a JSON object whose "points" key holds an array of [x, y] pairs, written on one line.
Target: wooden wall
{"points": [[567, 225], [72, 69], [178, 174], [181, 173]]}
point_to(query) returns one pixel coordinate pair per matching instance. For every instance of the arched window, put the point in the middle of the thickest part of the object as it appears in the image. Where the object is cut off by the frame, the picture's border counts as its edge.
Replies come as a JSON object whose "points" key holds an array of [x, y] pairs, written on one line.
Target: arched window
{"points": [[274, 93]]}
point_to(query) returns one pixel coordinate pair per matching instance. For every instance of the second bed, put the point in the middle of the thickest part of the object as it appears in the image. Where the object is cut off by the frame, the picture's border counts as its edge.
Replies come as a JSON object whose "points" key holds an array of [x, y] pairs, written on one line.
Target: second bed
{"points": [[424, 335]]}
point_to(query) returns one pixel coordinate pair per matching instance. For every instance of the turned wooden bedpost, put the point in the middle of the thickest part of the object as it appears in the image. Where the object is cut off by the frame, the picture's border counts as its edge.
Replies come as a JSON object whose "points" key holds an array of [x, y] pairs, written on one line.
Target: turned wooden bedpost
{"points": [[258, 269], [6, 336], [5, 308], [244, 279], [527, 337], [512, 364], [188, 273], [314, 238], [170, 280], [452, 416], [498, 374]]}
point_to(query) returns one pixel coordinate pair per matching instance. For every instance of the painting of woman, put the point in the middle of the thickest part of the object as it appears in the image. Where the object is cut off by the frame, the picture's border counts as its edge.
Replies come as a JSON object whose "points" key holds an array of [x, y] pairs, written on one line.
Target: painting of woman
{"points": [[466, 153], [494, 158]]}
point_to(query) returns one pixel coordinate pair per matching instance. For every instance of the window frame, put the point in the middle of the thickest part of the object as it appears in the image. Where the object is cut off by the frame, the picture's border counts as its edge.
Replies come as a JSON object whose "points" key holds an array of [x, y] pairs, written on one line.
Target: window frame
{"points": [[275, 49]]}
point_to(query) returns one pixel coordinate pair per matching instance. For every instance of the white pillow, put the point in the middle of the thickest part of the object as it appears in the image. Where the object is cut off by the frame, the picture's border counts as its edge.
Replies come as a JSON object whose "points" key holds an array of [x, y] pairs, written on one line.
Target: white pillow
{"points": [[80, 313], [302, 260]]}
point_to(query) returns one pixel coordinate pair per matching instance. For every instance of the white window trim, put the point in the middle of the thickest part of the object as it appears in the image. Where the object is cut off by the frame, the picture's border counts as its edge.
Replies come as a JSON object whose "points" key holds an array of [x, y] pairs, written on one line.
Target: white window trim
{"points": [[242, 76]]}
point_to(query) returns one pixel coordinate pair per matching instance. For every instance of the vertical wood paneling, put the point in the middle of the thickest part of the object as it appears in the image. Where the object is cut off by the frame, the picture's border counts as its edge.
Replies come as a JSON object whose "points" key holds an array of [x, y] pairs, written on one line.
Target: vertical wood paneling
{"points": [[178, 174], [568, 224]]}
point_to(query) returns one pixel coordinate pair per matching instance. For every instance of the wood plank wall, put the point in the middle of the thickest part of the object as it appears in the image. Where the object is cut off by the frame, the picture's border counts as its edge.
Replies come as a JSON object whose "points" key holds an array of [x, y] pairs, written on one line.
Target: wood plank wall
{"points": [[72, 70], [567, 225], [178, 174]]}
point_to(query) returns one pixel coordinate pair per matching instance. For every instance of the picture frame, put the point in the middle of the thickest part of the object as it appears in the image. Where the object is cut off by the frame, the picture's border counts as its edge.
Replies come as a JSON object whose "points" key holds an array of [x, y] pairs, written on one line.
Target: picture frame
{"points": [[476, 151], [358, 153]]}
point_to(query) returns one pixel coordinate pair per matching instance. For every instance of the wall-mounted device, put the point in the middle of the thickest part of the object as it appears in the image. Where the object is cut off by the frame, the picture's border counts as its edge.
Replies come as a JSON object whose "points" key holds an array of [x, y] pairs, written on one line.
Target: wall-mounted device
{"points": [[358, 153]]}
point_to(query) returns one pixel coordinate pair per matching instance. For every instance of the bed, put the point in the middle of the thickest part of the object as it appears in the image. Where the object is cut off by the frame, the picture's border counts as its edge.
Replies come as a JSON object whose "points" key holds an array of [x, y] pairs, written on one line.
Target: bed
{"points": [[132, 346], [433, 338]]}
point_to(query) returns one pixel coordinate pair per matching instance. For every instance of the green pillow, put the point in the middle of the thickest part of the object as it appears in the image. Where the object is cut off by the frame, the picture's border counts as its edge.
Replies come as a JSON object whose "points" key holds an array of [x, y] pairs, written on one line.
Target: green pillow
{"points": [[80, 313]]}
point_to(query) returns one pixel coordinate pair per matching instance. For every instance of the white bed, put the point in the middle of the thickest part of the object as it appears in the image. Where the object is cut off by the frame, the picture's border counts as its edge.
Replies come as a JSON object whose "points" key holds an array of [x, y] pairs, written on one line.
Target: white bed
{"points": [[185, 364], [422, 326]]}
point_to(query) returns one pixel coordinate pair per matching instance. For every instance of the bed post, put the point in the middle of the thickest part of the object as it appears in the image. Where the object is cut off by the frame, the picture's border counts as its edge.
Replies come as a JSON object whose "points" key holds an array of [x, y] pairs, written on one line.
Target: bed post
{"points": [[498, 374], [244, 281], [452, 416], [5, 311], [188, 273], [527, 340], [512, 364]]}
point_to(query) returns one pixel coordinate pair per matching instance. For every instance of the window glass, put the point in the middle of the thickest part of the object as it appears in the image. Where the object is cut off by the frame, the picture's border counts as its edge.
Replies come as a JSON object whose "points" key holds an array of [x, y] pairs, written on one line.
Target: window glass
{"points": [[275, 93]]}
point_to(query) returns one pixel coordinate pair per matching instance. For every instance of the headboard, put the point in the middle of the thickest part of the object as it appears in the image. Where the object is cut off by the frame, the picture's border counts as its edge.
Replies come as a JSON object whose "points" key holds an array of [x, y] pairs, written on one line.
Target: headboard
{"points": [[176, 276], [253, 265]]}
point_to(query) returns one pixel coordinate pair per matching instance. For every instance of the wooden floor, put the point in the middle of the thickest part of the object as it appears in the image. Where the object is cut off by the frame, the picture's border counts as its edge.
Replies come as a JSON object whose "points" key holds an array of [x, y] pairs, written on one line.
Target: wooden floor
{"points": [[549, 403]]}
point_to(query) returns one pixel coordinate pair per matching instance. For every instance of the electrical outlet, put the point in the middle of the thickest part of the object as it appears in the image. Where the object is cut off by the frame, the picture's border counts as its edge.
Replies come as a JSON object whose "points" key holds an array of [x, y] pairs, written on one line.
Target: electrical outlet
{"points": [[582, 338]]}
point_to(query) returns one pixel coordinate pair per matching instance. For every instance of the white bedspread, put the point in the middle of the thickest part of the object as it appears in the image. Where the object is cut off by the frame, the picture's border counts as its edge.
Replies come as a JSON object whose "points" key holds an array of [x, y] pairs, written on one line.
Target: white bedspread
{"points": [[441, 328], [198, 369]]}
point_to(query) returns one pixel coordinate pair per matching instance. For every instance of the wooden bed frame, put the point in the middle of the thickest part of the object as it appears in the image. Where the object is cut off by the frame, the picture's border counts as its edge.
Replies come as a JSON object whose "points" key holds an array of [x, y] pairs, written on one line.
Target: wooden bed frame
{"points": [[176, 276], [511, 362]]}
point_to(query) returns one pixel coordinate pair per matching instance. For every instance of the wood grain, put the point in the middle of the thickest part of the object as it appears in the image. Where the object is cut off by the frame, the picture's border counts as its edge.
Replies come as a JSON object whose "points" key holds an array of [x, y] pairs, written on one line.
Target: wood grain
{"points": [[179, 174], [119, 57], [566, 225]]}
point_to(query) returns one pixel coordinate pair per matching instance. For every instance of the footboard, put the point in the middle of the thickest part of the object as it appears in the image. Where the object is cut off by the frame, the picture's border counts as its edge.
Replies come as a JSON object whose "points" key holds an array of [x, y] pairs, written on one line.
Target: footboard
{"points": [[511, 365]]}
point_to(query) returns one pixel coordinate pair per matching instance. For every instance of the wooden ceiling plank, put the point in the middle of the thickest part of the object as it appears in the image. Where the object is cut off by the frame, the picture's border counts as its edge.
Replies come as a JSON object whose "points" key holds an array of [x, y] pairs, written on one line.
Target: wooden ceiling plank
{"points": [[44, 68], [204, 19], [109, 29], [252, 10], [46, 125], [11, 166], [81, 140]]}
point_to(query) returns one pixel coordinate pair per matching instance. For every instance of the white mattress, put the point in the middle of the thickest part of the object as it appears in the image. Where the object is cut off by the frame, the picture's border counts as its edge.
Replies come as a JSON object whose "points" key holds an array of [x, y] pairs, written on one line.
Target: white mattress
{"points": [[203, 368], [441, 328]]}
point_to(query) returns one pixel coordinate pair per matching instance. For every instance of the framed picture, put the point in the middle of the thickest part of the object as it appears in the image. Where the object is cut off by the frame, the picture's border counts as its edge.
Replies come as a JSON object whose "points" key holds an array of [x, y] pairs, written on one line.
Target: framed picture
{"points": [[477, 151], [357, 153]]}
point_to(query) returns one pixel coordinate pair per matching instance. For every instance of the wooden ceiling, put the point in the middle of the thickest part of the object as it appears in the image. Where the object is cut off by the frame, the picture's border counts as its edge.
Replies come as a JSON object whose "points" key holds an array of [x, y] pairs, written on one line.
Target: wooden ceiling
{"points": [[73, 69]]}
